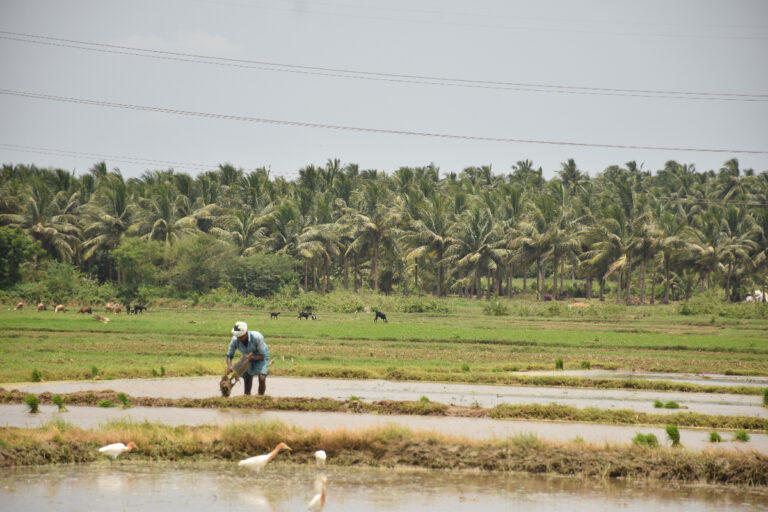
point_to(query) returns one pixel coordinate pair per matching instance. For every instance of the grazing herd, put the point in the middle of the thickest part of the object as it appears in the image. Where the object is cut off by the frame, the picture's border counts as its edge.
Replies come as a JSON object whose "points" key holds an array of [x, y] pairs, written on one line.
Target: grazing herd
{"points": [[114, 307], [110, 307]]}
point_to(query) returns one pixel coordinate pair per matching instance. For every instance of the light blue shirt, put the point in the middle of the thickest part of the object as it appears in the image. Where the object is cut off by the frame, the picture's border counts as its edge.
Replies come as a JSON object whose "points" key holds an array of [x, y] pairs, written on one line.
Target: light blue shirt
{"points": [[256, 345]]}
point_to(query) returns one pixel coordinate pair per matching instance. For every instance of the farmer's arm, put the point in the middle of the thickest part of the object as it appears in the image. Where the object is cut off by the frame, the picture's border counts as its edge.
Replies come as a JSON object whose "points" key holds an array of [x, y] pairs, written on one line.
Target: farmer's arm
{"points": [[230, 353]]}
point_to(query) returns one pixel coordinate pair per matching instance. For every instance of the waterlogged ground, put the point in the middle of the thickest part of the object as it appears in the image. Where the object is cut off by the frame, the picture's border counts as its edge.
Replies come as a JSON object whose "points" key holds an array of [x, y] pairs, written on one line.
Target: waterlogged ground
{"points": [[473, 428], [457, 394], [128, 486]]}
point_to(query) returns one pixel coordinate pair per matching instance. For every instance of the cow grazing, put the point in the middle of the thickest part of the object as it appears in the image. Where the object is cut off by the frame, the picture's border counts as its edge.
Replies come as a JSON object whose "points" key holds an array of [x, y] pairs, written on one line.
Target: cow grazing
{"points": [[274, 315], [19, 306], [378, 315], [86, 309], [110, 307], [59, 308], [117, 309], [306, 315], [139, 309], [40, 307]]}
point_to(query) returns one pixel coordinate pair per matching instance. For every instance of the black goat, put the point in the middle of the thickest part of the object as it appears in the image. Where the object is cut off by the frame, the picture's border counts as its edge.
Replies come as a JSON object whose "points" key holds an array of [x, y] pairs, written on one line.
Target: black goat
{"points": [[306, 315], [381, 315]]}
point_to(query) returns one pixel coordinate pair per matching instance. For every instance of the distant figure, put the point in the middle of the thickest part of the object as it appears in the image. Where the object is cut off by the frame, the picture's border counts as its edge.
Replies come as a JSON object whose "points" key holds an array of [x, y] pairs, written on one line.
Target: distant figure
{"points": [[381, 315], [86, 309], [320, 457], [252, 345], [139, 309], [60, 307], [306, 315], [40, 307], [274, 315], [20, 305], [110, 307], [117, 309]]}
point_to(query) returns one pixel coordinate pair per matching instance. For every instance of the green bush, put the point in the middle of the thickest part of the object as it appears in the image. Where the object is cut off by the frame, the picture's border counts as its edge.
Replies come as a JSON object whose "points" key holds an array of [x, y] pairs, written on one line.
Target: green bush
{"points": [[765, 397], [495, 308], [37, 376], [106, 403], [262, 275], [465, 367], [124, 400], [714, 437], [741, 435], [58, 401], [586, 365], [674, 434], [421, 306], [645, 440], [33, 403], [558, 364], [658, 404]]}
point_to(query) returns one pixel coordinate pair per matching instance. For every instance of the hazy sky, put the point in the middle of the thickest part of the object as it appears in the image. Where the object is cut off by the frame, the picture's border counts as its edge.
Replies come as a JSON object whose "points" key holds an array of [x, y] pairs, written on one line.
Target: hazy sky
{"points": [[483, 75]]}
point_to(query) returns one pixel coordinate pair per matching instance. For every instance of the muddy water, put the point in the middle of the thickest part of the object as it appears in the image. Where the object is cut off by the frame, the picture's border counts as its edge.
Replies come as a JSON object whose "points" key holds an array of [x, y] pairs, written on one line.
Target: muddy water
{"points": [[132, 486], [473, 428], [457, 394]]}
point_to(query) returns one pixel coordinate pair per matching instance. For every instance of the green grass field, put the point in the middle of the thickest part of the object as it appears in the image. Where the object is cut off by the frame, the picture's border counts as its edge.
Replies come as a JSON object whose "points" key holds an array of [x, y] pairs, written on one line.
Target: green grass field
{"points": [[463, 345]]}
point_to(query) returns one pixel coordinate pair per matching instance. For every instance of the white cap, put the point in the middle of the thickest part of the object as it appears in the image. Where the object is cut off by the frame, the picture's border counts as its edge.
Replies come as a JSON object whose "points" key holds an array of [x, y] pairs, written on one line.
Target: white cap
{"points": [[240, 329]]}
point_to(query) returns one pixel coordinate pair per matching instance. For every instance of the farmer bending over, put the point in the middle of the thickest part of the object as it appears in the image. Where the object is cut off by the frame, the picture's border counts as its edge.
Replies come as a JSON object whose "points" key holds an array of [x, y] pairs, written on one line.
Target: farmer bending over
{"points": [[250, 343]]}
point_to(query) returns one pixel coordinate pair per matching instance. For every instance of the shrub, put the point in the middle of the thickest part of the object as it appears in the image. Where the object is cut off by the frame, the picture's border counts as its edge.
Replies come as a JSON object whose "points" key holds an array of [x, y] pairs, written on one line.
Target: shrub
{"points": [[765, 397], [421, 306], [673, 434], [558, 364], [671, 405], [645, 440], [465, 367], [658, 404], [94, 372], [586, 365], [33, 403], [741, 435], [37, 376], [124, 400], [495, 308], [57, 400], [714, 437], [106, 403]]}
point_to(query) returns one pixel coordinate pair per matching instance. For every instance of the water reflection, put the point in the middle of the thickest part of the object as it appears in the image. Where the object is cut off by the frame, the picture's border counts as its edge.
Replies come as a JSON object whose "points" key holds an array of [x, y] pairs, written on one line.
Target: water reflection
{"points": [[282, 487]]}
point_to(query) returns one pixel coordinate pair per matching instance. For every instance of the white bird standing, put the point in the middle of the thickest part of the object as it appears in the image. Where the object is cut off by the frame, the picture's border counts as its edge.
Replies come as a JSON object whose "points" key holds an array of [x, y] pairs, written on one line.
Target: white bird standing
{"points": [[114, 450], [318, 502], [259, 461], [320, 457]]}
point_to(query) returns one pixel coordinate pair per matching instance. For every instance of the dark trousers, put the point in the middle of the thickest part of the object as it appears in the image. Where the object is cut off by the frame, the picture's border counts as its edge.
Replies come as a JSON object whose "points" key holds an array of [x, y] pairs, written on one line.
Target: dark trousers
{"points": [[248, 383]]}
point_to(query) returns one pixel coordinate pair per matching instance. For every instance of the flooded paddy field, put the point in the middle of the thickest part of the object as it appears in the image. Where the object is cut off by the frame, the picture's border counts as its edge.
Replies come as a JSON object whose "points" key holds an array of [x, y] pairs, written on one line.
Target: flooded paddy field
{"points": [[132, 486], [473, 428], [451, 394]]}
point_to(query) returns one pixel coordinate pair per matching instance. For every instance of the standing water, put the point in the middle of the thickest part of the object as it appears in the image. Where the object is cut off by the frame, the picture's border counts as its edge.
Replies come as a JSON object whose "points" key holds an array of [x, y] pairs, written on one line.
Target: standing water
{"points": [[207, 487]]}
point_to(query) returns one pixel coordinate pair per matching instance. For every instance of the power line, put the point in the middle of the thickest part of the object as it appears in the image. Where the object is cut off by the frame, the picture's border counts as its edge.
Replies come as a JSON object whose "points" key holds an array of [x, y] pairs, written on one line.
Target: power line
{"points": [[374, 76], [123, 159], [304, 124]]}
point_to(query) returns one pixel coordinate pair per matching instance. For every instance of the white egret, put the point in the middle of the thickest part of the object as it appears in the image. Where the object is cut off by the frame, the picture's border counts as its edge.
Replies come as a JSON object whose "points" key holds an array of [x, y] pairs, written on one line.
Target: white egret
{"points": [[259, 461], [114, 450], [320, 457], [318, 501]]}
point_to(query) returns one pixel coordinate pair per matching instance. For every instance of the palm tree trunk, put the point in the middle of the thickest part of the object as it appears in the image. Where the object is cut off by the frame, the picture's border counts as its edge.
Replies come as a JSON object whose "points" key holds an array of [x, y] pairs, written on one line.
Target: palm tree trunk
{"points": [[346, 272], [538, 277], [653, 286], [554, 277], [327, 273], [356, 273], [642, 281], [627, 292], [440, 272], [306, 273], [619, 278], [562, 275], [588, 287], [666, 280], [314, 276], [525, 279], [376, 262], [405, 282], [602, 289], [416, 278], [728, 283]]}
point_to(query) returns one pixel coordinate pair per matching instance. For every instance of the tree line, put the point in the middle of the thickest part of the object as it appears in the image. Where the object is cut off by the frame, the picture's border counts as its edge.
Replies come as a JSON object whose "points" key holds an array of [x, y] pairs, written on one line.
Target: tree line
{"points": [[647, 236]]}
